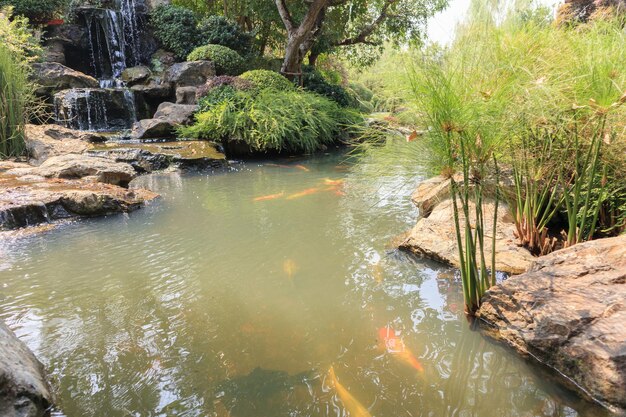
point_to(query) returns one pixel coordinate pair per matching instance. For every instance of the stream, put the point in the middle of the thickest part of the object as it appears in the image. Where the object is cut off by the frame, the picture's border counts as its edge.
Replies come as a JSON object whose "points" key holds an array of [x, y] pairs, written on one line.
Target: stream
{"points": [[235, 293]]}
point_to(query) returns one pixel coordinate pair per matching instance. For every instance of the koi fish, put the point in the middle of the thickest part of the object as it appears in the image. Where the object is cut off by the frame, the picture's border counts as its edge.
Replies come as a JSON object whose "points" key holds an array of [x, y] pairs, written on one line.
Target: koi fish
{"points": [[354, 407], [395, 346], [302, 167], [277, 166], [413, 136], [304, 193], [290, 268], [377, 271], [335, 183], [269, 197]]}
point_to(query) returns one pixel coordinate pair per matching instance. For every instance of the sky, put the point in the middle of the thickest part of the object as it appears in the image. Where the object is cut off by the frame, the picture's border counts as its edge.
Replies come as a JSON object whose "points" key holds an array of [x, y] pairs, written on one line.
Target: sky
{"points": [[441, 26]]}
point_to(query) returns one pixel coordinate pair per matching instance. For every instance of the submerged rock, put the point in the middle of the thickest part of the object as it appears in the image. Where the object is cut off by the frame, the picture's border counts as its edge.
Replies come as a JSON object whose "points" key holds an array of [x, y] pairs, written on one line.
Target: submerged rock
{"points": [[569, 312], [152, 156], [24, 390], [434, 237]]}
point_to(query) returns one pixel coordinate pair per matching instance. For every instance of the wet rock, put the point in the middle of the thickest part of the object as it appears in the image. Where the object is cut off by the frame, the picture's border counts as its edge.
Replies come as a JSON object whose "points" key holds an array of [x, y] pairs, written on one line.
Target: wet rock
{"points": [[569, 312], [136, 75], [431, 192], [95, 109], [73, 166], [194, 73], [27, 204], [186, 95], [24, 390], [45, 141], [52, 77], [434, 237], [167, 119], [147, 157]]}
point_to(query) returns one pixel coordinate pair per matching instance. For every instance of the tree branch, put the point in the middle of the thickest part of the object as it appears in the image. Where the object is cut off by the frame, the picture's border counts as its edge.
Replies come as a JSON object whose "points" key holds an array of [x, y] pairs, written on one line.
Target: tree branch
{"points": [[283, 11], [369, 29]]}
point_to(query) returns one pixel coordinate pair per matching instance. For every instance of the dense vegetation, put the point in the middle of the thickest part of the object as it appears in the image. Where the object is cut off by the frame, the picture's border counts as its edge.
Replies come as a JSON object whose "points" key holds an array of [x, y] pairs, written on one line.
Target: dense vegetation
{"points": [[17, 49]]}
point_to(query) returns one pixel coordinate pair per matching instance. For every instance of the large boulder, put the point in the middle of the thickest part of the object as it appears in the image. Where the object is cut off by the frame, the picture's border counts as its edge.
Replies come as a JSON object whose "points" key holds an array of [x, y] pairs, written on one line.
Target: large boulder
{"points": [[24, 390], [167, 119], [96, 109], [72, 166], [193, 73], [569, 312], [434, 237], [136, 75], [45, 141], [51, 77]]}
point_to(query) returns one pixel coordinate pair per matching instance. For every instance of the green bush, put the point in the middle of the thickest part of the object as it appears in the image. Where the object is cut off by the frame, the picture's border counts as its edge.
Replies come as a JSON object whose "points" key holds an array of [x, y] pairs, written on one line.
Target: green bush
{"points": [[264, 79], [271, 120], [37, 11], [313, 81], [227, 61], [176, 28], [217, 30], [215, 96]]}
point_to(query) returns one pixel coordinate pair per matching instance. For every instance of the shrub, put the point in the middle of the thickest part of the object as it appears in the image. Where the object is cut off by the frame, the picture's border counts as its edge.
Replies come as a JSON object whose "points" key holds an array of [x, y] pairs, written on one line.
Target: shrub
{"points": [[264, 79], [271, 120], [17, 37], [36, 11], [218, 30], [237, 83], [313, 81], [175, 27], [227, 61]]}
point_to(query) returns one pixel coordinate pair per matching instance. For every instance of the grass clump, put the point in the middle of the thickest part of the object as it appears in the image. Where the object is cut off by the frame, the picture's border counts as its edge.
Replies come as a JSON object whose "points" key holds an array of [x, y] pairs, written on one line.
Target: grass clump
{"points": [[226, 60], [273, 121]]}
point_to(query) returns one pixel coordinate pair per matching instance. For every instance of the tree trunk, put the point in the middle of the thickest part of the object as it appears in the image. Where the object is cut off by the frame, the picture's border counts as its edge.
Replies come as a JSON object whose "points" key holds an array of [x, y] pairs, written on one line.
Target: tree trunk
{"points": [[313, 57]]}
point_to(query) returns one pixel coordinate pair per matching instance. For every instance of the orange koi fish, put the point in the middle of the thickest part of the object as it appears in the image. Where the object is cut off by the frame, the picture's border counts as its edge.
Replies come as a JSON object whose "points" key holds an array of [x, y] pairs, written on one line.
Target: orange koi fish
{"points": [[377, 271], [269, 197], [335, 183], [290, 268], [277, 166], [413, 136], [395, 346], [302, 167], [304, 193], [354, 407]]}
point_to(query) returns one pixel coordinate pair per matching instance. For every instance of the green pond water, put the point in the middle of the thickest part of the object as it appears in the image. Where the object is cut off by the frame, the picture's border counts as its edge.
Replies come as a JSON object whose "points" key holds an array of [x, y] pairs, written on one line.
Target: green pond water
{"points": [[209, 303]]}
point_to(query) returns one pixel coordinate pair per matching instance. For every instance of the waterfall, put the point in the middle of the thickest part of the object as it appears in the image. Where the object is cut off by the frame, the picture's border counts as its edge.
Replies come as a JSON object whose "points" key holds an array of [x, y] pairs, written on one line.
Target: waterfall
{"points": [[114, 43]]}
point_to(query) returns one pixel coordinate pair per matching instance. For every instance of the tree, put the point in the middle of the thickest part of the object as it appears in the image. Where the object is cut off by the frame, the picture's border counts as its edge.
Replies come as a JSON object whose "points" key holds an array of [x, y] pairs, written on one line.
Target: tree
{"points": [[330, 24]]}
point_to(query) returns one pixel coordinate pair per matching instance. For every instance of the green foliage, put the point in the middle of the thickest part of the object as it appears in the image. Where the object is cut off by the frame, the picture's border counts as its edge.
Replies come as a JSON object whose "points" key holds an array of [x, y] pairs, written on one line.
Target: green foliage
{"points": [[215, 96], [226, 61], [217, 30], [273, 120], [176, 28], [37, 11], [264, 79], [18, 37], [313, 80]]}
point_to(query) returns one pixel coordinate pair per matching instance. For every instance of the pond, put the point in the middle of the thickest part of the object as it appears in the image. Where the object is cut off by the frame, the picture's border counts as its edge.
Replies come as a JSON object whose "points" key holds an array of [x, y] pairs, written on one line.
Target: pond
{"points": [[235, 293]]}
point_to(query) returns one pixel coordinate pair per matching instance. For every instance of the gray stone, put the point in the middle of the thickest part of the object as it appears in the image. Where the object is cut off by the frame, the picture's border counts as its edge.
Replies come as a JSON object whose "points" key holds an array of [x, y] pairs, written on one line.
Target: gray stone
{"points": [[181, 114], [194, 73], [136, 75], [52, 77], [186, 95], [45, 141], [24, 390], [153, 129], [569, 312]]}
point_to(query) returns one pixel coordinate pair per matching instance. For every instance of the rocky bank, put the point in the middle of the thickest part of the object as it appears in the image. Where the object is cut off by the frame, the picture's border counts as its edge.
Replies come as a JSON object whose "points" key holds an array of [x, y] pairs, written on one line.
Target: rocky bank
{"points": [[569, 313]]}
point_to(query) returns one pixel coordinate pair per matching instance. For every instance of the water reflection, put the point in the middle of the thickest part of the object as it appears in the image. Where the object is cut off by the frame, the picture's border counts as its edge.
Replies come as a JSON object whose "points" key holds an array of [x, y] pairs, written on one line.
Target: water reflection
{"points": [[211, 303]]}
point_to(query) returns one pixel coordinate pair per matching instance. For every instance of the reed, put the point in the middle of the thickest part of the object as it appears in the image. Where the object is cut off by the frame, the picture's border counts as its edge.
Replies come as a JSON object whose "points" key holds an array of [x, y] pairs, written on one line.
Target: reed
{"points": [[14, 96]]}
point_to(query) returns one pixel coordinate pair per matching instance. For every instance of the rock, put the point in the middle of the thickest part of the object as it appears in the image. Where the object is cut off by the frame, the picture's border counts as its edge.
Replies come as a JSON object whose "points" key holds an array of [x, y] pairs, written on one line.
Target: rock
{"points": [[167, 118], [153, 90], [136, 75], [45, 141], [162, 59], [569, 312], [52, 77], [435, 237], [431, 192], [194, 73], [73, 166], [147, 157], [24, 390], [186, 95], [25, 203], [181, 114]]}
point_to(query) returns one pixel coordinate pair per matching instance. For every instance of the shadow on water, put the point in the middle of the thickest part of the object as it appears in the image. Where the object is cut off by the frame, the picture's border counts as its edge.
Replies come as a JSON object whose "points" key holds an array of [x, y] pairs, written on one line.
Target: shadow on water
{"points": [[213, 302]]}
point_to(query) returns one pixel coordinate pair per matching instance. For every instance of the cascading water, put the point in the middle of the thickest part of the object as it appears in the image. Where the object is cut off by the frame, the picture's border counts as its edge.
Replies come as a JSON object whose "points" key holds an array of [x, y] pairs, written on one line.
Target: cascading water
{"points": [[114, 44]]}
